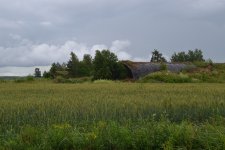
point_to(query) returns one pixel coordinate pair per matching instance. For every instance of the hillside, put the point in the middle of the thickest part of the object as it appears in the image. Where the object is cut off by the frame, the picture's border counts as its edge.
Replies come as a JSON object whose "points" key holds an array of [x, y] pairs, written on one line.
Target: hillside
{"points": [[202, 73]]}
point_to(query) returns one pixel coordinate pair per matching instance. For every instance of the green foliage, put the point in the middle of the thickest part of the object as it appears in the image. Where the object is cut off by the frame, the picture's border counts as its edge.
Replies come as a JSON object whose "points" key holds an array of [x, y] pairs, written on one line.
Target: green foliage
{"points": [[163, 67], [202, 64], [87, 59], [86, 66], [29, 78], [60, 79], [37, 73], [112, 135], [73, 69], [191, 56], [166, 77], [58, 69], [46, 74], [203, 72], [73, 66], [105, 63], [157, 57]]}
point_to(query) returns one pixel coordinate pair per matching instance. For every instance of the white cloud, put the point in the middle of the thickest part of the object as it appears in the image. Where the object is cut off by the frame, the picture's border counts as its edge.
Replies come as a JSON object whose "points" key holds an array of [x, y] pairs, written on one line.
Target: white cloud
{"points": [[119, 45], [30, 54]]}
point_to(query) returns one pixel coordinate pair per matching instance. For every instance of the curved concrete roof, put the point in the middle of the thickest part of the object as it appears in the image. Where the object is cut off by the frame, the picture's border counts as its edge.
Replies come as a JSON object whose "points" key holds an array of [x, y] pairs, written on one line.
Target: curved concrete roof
{"points": [[139, 69]]}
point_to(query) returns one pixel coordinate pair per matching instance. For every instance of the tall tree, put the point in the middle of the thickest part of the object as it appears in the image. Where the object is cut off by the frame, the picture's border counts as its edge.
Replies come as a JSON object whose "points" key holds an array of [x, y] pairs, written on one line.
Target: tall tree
{"points": [[87, 59], [157, 57], [86, 66], [58, 70], [73, 65], [46, 74], [104, 64], [37, 73]]}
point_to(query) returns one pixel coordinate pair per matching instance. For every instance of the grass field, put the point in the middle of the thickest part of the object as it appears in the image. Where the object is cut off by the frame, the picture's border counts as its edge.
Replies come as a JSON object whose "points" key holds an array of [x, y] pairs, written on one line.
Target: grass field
{"points": [[44, 115]]}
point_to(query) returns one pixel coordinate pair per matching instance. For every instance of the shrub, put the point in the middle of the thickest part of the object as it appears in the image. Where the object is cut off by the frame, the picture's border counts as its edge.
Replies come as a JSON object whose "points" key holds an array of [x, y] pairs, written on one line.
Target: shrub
{"points": [[163, 67], [202, 64], [29, 78], [166, 77], [59, 79]]}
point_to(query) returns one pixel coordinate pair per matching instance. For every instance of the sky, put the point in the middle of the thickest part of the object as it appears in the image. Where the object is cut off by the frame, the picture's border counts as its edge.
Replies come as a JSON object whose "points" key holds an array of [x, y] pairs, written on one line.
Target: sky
{"points": [[36, 33]]}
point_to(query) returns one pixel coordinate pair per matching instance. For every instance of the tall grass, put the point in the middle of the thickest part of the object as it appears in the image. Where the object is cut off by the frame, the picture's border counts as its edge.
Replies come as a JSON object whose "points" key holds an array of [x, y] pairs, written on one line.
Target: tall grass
{"points": [[134, 115]]}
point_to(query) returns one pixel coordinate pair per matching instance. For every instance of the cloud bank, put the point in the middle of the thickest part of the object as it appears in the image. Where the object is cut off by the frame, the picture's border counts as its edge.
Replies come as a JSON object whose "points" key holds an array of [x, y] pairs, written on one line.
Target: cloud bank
{"points": [[28, 54]]}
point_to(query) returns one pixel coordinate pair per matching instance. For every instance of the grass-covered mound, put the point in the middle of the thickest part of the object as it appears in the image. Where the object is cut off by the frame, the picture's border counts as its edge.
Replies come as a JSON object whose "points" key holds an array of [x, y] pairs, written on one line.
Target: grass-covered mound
{"points": [[203, 73], [166, 77]]}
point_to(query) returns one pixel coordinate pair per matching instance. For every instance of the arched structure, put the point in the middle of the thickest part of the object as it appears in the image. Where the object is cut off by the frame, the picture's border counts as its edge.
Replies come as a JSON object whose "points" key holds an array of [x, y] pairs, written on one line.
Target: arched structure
{"points": [[139, 69]]}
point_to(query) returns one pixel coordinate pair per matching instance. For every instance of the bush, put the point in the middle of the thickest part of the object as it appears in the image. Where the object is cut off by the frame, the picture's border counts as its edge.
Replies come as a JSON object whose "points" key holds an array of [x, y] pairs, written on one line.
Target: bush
{"points": [[166, 77], [60, 79], [29, 78], [163, 67], [202, 64]]}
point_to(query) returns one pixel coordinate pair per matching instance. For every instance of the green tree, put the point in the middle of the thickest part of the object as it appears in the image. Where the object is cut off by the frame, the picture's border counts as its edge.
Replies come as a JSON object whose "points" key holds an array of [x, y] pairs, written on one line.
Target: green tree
{"points": [[157, 57], [86, 66], [105, 63], [87, 59], [58, 70], [73, 65], [196, 55], [179, 57], [46, 74], [120, 71], [191, 56], [37, 73]]}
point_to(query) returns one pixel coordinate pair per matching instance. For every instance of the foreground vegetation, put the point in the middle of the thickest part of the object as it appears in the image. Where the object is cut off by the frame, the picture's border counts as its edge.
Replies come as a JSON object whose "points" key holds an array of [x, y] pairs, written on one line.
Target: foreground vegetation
{"points": [[108, 115]]}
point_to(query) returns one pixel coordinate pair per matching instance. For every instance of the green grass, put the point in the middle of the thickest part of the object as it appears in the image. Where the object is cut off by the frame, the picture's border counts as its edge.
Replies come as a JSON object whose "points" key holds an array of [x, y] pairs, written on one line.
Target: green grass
{"points": [[45, 115], [166, 77]]}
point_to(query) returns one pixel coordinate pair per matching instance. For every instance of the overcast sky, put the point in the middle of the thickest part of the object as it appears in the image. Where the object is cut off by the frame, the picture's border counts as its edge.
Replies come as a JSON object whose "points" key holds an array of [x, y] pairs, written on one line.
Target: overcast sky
{"points": [[40, 32]]}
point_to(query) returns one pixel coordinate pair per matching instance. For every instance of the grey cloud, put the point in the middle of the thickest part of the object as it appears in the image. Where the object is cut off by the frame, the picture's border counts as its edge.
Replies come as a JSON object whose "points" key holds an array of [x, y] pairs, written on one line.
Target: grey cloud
{"points": [[147, 24]]}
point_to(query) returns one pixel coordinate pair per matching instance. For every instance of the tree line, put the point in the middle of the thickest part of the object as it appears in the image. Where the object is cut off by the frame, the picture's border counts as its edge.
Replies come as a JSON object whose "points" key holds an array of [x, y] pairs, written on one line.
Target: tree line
{"points": [[180, 57], [105, 64]]}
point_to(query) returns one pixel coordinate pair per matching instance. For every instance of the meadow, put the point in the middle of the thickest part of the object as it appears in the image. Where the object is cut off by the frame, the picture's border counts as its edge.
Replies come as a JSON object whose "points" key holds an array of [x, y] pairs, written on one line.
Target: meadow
{"points": [[46, 115]]}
